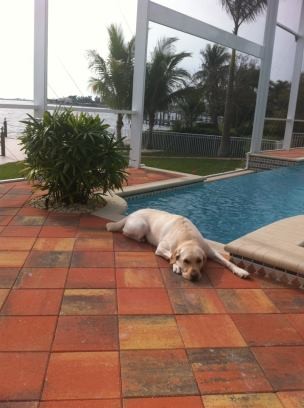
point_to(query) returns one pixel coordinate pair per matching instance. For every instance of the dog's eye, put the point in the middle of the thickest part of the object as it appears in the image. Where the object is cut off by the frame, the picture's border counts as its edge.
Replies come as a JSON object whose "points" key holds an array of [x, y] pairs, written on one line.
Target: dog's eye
{"points": [[198, 260], [186, 261]]}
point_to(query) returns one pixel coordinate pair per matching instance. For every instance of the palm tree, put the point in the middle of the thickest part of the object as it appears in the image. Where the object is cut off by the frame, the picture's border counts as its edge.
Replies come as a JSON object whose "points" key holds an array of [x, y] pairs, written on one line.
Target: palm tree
{"points": [[190, 102], [163, 78], [114, 76], [241, 11], [212, 77]]}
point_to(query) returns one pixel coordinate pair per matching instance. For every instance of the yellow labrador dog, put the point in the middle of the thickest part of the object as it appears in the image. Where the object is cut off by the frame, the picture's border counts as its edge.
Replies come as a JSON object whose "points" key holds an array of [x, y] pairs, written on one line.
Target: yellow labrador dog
{"points": [[176, 239]]}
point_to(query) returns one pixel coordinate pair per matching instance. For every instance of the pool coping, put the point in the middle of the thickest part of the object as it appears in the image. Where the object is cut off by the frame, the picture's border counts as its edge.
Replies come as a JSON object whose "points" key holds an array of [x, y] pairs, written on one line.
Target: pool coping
{"points": [[275, 250]]}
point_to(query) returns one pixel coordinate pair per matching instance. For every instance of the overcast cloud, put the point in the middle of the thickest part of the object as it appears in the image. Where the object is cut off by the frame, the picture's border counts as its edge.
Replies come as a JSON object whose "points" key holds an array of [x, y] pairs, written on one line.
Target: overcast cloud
{"points": [[78, 25]]}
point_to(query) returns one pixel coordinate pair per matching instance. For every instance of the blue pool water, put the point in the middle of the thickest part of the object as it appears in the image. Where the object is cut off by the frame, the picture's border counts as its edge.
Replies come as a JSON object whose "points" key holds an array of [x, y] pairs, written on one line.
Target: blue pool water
{"points": [[227, 209]]}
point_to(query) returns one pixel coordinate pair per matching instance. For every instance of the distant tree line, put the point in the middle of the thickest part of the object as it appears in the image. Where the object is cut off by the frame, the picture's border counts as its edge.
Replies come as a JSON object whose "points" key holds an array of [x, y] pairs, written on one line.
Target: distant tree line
{"points": [[224, 87]]}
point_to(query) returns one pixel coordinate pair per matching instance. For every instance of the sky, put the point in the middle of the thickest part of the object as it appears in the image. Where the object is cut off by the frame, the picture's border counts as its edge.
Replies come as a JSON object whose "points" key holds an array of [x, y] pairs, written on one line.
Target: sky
{"points": [[75, 26]]}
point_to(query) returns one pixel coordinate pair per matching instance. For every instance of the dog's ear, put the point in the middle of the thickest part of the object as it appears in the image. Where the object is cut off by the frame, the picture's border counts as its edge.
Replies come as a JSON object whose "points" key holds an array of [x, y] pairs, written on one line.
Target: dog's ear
{"points": [[174, 257]]}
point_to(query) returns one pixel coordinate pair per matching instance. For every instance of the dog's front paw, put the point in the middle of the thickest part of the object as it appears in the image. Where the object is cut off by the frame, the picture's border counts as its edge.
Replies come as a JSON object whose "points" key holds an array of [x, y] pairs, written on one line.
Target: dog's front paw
{"points": [[176, 269], [240, 272]]}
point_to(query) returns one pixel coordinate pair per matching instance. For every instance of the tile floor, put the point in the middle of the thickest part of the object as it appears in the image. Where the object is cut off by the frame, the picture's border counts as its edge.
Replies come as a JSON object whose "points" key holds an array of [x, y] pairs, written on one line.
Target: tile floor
{"points": [[91, 319]]}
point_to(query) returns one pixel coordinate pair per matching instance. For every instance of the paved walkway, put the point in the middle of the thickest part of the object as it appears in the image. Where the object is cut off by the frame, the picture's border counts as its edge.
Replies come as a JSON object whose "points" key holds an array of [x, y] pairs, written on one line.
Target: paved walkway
{"points": [[92, 319], [12, 151], [296, 153]]}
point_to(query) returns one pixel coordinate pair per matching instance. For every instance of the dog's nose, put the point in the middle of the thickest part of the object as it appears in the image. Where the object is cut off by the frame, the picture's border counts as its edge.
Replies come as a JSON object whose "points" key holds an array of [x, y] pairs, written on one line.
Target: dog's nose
{"points": [[193, 276]]}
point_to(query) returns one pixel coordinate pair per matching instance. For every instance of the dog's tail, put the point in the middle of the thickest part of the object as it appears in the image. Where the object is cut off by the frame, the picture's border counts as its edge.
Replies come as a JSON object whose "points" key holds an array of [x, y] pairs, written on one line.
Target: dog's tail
{"points": [[116, 226]]}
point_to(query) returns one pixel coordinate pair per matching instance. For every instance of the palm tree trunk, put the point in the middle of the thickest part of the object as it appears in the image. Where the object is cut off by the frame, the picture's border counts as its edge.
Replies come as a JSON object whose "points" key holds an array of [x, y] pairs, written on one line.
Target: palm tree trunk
{"points": [[119, 125], [224, 149], [150, 133]]}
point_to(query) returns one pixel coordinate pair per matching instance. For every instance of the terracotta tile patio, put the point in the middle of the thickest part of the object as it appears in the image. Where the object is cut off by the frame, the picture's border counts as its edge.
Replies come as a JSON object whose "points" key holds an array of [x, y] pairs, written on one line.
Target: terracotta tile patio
{"points": [[91, 319]]}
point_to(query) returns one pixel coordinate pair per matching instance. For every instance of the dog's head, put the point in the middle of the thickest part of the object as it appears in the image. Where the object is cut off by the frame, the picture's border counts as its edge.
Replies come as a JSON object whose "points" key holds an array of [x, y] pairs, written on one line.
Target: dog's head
{"points": [[190, 258]]}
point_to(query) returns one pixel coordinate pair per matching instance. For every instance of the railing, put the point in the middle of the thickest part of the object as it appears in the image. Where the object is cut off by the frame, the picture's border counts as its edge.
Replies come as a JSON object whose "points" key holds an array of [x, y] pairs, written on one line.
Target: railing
{"points": [[297, 140], [201, 145]]}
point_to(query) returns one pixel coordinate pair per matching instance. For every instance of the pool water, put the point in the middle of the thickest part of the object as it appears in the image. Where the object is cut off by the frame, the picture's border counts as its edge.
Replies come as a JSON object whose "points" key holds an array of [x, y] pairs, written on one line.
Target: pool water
{"points": [[228, 209]]}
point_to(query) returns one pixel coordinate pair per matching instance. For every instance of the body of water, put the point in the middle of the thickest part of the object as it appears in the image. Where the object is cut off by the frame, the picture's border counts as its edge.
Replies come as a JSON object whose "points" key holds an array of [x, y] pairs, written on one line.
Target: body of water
{"points": [[228, 209], [14, 116]]}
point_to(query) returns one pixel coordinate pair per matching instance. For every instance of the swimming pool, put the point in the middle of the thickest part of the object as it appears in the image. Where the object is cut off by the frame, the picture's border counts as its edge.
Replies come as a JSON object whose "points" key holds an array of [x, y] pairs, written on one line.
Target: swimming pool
{"points": [[227, 209]]}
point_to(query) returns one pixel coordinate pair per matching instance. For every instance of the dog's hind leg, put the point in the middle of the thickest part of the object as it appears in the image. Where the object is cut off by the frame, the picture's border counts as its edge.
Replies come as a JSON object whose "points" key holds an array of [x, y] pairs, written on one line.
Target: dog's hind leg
{"points": [[116, 226], [136, 228]]}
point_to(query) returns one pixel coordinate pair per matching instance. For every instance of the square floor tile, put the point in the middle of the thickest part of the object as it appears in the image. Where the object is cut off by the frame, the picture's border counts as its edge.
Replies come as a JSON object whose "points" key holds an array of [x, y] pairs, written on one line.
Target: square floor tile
{"points": [[15, 404], [26, 333], [143, 301], [297, 321], [12, 202], [283, 366], [287, 300], [156, 373], [86, 278], [193, 301], [33, 211], [227, 370], [8, 211], [92, 221], [246, 301], [32, 302], [292, 399], [86, 333], [16, 244], [58, 232], [5, 219], [262, 400], [164, 402], [54, 244], [90, 232], [125, 244], [62, 219], [15, 231], [12, 259], [225, 279], [88, 302], [139, 278], [267, 330], [8, 277], [172, 280], [104, 403], [23, 374], [209, 331], [149, 332], [41, 278], [92, 259], [3, 295], [135, 260], [95, 244], [28, 220], [48, 259], [86, 375]]}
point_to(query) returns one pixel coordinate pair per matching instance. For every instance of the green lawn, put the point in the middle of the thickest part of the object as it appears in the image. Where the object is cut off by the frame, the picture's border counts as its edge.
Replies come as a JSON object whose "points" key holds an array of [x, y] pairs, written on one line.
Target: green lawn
{"points": [[11, 170], [196, 165]]}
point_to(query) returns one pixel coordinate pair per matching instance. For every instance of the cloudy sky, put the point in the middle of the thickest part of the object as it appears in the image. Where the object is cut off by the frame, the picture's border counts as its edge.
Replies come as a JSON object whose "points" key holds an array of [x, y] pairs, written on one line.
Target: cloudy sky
{"points": [[76, 26]]}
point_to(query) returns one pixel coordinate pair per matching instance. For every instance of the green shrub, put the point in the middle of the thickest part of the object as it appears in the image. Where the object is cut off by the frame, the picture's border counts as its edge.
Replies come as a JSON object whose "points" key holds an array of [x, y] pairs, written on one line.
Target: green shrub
{"points": [[71, 156]]}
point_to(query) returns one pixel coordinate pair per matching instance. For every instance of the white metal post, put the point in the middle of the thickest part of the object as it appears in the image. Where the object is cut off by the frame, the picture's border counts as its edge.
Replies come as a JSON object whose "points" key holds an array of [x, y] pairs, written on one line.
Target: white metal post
{"points": [[139, 81], [263, 87], [296, 75], [40, 56]]}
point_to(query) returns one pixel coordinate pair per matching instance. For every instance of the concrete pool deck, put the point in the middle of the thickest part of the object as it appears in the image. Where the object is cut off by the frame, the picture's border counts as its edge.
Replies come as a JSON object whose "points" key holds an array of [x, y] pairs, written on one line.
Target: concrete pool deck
{"points": [[276, 250], [93, 319]]}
